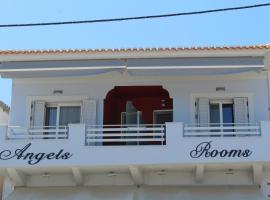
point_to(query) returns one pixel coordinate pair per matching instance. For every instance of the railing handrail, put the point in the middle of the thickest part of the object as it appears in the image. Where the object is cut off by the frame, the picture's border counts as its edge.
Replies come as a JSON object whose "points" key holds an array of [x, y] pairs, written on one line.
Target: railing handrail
{"points": [[37, 132], [123, 125], [203, 124], [137, 134], [222, 129], [126, 129]]}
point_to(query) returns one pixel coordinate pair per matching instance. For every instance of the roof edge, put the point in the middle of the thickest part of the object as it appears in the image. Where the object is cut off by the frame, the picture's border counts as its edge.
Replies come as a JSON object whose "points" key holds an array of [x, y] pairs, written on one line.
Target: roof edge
{"points": [[153, 49], [126, 53]]}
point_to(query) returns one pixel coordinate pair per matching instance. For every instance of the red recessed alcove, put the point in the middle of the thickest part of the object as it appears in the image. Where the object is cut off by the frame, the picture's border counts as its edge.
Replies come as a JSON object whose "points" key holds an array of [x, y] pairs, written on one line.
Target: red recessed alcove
{"points": [[145, 99]]}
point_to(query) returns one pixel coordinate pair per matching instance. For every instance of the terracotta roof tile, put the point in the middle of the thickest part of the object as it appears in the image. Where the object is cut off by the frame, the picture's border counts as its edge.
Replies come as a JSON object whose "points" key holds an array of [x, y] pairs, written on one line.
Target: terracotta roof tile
{"points": [[65, 51]]}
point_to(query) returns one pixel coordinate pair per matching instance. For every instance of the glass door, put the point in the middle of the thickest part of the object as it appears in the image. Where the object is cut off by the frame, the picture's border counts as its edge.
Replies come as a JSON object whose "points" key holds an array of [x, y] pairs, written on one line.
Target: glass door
{"points": [[58, 116], [221, 113]]}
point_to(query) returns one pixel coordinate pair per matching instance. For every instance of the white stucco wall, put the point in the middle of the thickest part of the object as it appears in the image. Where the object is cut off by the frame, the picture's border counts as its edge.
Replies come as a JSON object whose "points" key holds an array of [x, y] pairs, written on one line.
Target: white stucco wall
{"points": [[180, 89]]}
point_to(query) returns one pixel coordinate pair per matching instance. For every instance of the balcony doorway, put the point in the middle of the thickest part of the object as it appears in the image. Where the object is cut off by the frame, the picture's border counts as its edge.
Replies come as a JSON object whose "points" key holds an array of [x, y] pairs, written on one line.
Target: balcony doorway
{"points": [[138, 106]]}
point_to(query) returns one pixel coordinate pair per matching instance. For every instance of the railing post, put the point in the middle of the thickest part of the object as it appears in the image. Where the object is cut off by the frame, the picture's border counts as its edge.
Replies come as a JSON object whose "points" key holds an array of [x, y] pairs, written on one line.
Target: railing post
{"points": [[164, 135], [76, 134], [174, 133], [264, 128]]}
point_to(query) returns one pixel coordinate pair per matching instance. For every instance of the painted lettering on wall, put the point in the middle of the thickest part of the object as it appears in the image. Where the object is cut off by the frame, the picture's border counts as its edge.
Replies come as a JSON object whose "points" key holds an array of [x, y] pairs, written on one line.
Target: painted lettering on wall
{"points": [[205, 149], [33, 158]]}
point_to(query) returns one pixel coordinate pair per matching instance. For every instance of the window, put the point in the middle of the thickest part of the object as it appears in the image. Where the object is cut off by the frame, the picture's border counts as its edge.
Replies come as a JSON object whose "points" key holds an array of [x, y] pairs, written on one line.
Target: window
{"points": [[221, 113], [51, 116], [221, 110], [54, 114], [62, 115], [131, 116], [162, 116]]}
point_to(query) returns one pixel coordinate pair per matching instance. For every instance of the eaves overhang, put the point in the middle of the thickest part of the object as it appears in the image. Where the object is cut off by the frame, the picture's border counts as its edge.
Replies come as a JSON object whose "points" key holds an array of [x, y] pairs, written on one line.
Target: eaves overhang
{"points": [[126, 53]]}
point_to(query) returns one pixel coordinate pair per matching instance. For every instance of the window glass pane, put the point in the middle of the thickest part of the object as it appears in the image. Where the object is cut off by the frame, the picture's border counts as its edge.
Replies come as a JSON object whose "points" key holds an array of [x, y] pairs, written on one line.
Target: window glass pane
{"points": [[163, 116], [51, 114], [227, 110], [214, 113], [69, 115], [133, 116]]}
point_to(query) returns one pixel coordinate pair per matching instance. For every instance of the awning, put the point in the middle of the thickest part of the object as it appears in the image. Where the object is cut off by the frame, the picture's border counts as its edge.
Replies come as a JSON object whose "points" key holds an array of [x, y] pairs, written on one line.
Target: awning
{"points": [[134, 193], [60, 68], [137, 67], [193, 66]]}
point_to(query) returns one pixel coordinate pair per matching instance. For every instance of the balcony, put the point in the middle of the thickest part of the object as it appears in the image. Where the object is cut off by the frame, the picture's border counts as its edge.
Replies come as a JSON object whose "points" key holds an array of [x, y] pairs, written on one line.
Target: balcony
{"points": [[81, 145], [46, 132], [125, 135], [220, 130]]}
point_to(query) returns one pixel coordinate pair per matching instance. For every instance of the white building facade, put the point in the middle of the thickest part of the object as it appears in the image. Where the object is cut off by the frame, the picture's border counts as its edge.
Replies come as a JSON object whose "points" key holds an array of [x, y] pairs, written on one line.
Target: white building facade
{"points": [[182, 123]]}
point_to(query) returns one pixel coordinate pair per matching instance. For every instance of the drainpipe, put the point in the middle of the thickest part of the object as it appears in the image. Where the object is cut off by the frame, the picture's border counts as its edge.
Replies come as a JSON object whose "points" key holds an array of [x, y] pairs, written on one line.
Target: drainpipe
{"points": [[268, 92], [267, 70]]}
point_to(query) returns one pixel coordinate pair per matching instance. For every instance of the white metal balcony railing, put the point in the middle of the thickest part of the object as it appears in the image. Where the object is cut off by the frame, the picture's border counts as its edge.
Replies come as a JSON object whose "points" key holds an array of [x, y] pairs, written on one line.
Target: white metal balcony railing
{"points": [[45, 132], [218, 130], [143, 134]]}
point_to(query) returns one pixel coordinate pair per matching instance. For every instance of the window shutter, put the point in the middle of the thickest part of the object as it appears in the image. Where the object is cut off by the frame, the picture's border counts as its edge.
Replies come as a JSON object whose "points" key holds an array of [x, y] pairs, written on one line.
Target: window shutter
{"points": [[203, 115], [240, 110], [37, 113], [89, 112]]}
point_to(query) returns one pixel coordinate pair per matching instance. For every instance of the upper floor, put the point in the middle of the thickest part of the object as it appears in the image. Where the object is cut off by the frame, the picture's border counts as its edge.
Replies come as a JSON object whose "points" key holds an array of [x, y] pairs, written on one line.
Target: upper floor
{"points": [[137, 107]]}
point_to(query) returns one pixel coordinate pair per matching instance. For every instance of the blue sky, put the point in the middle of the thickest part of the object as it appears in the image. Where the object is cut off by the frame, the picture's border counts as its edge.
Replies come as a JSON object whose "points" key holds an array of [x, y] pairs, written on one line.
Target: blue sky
{"points": [[229, 28]]}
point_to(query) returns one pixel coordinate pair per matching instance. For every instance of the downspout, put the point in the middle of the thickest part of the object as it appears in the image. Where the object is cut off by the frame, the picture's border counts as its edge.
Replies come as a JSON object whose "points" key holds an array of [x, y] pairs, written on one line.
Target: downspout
{"points": [[267, 71], [268, 92]]}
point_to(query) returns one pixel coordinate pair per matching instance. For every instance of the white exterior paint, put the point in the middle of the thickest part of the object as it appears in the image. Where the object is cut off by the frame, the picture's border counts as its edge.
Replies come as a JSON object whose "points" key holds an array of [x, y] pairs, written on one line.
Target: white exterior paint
{"points": [[176, 151], [139, 172], [181, 90]]}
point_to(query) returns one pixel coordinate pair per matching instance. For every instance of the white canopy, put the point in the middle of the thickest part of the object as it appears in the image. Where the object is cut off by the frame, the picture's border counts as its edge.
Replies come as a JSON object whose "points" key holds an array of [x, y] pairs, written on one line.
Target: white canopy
{"points": [[193, 66]]}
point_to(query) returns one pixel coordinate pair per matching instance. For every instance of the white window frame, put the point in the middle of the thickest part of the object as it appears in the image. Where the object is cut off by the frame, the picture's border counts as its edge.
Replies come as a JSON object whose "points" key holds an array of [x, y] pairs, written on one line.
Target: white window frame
{"points": [[221, 96], [220, 102], [59, 105], [138, 117], [55, 99]]}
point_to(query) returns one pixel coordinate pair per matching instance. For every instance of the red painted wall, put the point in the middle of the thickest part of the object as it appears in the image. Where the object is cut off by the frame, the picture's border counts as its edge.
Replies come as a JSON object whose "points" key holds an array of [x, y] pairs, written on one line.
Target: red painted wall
{"points": [[144, 98]]}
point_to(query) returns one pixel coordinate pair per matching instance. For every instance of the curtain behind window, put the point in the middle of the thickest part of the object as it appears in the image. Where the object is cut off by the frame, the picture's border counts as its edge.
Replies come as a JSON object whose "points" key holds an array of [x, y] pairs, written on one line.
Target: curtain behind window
{"points": [[51, 115], [69, 115]]}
